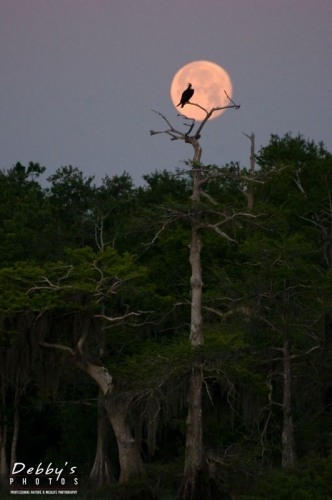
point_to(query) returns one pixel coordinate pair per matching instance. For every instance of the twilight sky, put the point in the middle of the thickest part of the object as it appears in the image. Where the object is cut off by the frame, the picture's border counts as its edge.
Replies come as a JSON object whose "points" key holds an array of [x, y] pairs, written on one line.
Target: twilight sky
{"points": [[79, 78]]}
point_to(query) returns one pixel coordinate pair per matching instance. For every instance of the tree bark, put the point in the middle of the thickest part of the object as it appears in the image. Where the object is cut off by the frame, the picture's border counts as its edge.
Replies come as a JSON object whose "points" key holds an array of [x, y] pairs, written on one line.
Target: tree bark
{"points": [[16, 424], [133, 483], [97, 372], [196, 283], [3, 457], [196, 484], [194, 439], [131, 464], [3, 435], [288, 441], [101, 474]]}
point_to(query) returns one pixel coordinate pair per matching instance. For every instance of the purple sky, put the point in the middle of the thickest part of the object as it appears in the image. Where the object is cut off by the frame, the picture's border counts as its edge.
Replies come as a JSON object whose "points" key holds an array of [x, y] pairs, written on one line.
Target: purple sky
{"points": [[79, 78]]}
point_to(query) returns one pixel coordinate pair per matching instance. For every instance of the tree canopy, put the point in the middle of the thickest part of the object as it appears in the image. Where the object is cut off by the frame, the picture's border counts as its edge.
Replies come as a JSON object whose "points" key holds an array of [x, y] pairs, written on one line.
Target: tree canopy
{"points": [[95, 305]]}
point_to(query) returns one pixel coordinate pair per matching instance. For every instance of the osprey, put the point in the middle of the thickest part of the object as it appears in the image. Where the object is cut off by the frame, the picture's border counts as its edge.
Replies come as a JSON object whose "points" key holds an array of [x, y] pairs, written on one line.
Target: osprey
{"points": [[187, 94]]}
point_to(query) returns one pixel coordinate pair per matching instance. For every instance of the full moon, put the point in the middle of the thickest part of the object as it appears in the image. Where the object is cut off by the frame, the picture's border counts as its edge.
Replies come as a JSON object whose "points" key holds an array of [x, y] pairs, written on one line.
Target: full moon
{"points": [[209, 81]]}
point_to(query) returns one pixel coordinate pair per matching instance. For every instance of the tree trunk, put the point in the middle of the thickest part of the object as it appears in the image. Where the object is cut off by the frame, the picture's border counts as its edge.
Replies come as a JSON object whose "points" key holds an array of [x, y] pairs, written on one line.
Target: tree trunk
{"points": [[196, 284], [133, 484], [288, 442], [101, 474], [131, 464], [196, 483], [250, 190], [16, 424], [3, 456], [3, 435], [194, 439]]}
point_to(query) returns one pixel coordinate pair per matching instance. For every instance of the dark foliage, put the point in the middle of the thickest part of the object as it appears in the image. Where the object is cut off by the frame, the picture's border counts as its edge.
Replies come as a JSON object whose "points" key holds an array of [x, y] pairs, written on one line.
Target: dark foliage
{"points": [[75, 256]]}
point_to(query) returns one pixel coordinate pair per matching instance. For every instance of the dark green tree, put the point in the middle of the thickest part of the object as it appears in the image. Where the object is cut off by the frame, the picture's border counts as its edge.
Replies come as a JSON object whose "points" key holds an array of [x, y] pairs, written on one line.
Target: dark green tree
{"points": [[25, 226]]}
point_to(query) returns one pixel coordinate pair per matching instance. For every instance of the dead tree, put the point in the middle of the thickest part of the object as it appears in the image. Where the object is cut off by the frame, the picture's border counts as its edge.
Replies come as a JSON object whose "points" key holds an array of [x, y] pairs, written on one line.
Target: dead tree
{"points": [[249, 192], [195, 484]]}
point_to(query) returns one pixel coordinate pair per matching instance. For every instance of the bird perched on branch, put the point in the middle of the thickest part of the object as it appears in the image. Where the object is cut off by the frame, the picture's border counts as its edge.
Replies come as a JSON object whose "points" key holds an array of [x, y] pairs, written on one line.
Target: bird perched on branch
{"points": [[187, 94]]}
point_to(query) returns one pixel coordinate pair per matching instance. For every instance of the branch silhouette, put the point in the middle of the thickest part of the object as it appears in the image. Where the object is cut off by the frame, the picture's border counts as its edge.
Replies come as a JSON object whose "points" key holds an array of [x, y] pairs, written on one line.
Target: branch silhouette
{"points": [[179, 135]]}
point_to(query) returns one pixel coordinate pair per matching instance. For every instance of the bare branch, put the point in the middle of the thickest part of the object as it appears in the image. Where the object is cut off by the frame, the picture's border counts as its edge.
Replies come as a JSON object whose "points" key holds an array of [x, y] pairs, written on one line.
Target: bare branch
{"points": [[210, 113], [208, 197], [46, 284], [230, 98], [158, 233], [207, 390], [164, 118], [222, 233], [175, 134], [312, 221], [218, 313], [293, 356], [58, 346], [118, 318], [98, 373], [198, 106], [298, 183]]}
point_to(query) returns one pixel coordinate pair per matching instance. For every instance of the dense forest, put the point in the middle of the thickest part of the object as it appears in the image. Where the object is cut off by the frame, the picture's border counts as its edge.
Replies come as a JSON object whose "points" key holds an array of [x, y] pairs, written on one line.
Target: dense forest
{"points": [[171, 340]]}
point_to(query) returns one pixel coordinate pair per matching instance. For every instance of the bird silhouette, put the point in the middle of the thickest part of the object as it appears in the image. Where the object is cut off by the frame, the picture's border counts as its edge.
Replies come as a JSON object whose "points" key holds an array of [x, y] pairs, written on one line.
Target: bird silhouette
{"points": [[186, 95]]}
